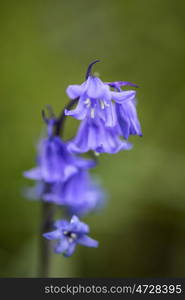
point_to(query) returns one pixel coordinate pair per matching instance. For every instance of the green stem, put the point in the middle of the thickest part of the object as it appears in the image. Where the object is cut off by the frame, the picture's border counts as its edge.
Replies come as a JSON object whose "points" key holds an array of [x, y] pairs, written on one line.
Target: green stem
{"points": [[47, 211]]}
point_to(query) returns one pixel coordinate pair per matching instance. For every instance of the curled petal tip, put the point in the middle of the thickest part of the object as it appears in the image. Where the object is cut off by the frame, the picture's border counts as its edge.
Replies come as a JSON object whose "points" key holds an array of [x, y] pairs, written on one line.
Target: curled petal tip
{"points": [[51, 114], [88, 73], [45, 119]]}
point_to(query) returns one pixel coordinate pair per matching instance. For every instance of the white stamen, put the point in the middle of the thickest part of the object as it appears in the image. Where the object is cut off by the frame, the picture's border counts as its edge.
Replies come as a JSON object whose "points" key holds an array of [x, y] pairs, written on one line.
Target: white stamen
{"points": [[87, 102], [73, 235], [102, 104], [92, 113], [96, 153], [65, 232], [106, 104]]}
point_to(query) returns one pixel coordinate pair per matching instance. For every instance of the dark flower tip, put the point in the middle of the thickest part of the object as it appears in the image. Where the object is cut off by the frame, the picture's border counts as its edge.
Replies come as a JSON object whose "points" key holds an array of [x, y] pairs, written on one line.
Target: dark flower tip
{"points": [[88, 73], [51, 115]]}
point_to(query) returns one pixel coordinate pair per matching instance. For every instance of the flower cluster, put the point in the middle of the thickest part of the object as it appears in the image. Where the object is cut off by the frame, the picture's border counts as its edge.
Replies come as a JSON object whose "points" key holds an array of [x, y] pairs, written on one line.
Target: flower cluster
{"points": [[108, 117]]}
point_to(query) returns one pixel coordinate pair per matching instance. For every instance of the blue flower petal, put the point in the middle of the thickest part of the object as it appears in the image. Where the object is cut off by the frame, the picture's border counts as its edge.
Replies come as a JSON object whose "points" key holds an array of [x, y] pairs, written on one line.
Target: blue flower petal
{"points": [[93, 135], [74, 91], [94, 88], [62, 246], [34, 173], [128, 119], [78, 227], [120, 97], [70, 250], [87, 241], [80, 111], [53, 235]]}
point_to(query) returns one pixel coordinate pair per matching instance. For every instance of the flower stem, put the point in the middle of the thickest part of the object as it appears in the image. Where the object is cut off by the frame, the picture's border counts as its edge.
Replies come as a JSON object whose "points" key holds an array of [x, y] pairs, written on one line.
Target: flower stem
{"points": [[61, 120], [47, 214]]}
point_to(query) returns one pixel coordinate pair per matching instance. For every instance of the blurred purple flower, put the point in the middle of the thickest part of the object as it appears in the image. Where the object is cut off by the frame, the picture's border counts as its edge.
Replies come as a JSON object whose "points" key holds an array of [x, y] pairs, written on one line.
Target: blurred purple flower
{"points": [[54, 162], [79, 194], [69, 234]]}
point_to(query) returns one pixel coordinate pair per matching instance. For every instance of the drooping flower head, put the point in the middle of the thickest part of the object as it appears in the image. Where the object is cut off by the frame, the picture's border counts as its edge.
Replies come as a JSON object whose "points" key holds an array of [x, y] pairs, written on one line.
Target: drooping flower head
{"points": [[128, 119], [69, 234], [106, 115], [95, 99], [126, 112], [94, 135], [54, 162], [79, 194], [82, 194]]}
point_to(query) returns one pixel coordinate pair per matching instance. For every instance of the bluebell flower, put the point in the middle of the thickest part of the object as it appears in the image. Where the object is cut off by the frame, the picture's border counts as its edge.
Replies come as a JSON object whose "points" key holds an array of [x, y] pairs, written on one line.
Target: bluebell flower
{"points": [[54, 162], [128, 119], [95, 100], [93, 135], [90, 196], [106, 115], [69, 234], [126, 112], [79, 194]]}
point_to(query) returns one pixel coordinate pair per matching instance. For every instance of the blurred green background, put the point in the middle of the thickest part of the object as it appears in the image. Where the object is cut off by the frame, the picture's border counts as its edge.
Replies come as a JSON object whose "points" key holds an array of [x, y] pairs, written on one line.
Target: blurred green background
{"points": [[47, 45]]}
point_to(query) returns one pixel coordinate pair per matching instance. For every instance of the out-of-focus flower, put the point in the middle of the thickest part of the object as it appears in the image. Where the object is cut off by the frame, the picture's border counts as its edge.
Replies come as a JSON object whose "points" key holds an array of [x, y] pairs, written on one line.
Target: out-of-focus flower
{"points": [[69, 234], [79, 194], [54, 162], [90, 196], [93, 135]]}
